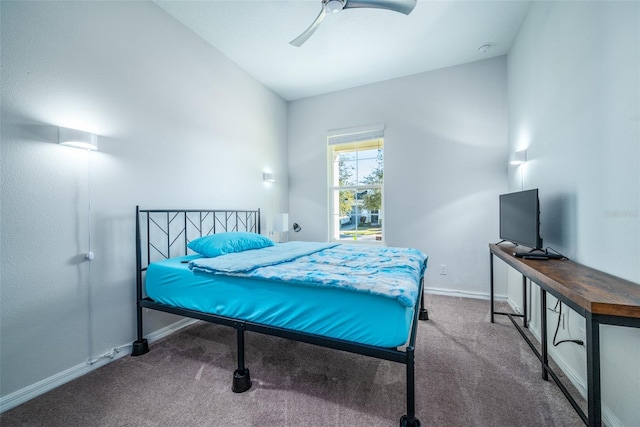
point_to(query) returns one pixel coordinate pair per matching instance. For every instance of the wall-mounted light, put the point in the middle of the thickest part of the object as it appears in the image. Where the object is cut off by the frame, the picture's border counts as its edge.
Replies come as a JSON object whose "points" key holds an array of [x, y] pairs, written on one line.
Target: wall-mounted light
{"points": [[268, 177], [77, 138], [519, 157]]}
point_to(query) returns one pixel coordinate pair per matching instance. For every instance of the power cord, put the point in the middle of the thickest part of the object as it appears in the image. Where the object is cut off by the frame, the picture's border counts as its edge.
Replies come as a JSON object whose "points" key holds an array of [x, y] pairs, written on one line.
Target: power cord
{"points": [[555, 335], [550, 251], [108, 355]]}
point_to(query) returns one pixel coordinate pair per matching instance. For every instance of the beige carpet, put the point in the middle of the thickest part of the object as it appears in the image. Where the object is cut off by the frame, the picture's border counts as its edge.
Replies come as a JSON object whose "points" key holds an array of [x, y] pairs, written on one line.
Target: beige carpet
{"points": [[469, 372]]}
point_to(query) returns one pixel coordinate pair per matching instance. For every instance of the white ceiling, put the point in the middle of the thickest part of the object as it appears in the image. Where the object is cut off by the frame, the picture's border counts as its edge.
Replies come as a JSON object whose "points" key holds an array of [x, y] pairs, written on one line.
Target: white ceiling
{"points": [[353, 47]]}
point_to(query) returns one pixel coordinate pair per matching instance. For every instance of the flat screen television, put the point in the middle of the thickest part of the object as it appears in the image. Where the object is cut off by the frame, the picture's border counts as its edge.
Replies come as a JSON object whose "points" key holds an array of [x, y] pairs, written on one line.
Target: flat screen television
{"points": [[520, 218]]}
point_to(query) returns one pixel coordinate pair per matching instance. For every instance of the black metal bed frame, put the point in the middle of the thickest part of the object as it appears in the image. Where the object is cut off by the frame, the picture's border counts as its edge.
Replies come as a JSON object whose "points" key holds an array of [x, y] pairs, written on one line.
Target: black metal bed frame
{"points": [[174, 228]]}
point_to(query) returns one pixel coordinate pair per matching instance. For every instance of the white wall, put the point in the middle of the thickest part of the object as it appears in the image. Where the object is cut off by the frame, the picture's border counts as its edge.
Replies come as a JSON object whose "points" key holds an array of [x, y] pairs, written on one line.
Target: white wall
{"points": [[180, 126], [574, 101], [445, 164]]}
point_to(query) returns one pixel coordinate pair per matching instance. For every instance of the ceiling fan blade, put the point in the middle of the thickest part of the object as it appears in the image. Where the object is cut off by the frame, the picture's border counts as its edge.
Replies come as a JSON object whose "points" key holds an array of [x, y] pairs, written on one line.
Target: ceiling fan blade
{"points": [[402, 6], [298, 41]]}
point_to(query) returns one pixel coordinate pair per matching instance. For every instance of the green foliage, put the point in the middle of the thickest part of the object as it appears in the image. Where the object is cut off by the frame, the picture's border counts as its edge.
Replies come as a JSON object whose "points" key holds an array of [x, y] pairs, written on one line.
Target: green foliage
{"points": [[372, 201], [347, 200], [347, 197], [344, 172]]}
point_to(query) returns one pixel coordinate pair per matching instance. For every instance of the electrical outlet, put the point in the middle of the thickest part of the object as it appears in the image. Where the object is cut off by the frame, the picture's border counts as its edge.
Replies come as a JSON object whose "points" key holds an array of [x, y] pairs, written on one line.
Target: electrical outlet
{"points": [[443, 269]]}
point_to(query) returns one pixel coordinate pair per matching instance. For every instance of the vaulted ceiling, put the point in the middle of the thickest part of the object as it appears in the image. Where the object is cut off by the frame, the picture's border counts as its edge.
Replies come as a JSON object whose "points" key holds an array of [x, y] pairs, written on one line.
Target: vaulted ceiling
{"points": [[351, 48]]}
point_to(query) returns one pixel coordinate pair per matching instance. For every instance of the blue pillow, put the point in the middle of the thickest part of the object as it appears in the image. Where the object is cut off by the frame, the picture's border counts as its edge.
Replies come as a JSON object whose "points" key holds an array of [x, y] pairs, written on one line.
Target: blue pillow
{"points": [[225, 243]]}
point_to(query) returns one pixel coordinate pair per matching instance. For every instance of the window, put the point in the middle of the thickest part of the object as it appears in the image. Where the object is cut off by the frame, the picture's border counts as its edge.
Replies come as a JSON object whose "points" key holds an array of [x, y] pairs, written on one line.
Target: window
{"points": [[356, 187]]}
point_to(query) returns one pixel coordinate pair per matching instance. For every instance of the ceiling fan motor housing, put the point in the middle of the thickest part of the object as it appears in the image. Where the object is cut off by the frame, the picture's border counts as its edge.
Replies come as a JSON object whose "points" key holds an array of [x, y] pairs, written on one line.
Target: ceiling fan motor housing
{"points": [[334, 6]]}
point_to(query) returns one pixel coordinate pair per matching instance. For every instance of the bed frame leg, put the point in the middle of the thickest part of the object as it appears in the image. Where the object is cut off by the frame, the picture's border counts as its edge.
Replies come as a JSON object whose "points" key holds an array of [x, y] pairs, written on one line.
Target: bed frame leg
{"points": [[424, 314], [141, 345], [410, 419], [241, 377]]}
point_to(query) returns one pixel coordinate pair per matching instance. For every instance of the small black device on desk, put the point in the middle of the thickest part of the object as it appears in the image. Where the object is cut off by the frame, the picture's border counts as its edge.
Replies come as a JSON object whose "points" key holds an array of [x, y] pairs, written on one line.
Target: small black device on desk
{"points": [[539, 256]]}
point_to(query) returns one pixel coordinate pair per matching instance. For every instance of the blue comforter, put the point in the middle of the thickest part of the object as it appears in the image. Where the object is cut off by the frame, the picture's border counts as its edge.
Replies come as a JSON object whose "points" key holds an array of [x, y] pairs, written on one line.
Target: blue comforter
{"points": [[387, 271]]}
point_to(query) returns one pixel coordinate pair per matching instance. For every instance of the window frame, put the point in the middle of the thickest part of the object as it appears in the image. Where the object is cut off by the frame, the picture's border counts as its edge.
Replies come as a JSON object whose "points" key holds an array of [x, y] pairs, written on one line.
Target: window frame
{"points": [[353, 139]]}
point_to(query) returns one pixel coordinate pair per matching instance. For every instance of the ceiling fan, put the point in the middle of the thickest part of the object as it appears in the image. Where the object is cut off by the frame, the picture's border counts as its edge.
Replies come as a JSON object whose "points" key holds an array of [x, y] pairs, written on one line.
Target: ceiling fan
{"points": [[335, 6]]}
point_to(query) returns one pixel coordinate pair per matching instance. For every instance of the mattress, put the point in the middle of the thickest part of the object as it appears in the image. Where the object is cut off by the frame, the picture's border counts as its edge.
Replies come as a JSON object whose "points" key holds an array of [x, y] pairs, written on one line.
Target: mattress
{"points": [[335, 312]]}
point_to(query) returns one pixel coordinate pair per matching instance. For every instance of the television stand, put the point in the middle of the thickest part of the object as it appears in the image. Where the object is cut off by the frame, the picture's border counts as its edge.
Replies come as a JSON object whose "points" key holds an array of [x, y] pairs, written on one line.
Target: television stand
{"points": [[598, 297]]}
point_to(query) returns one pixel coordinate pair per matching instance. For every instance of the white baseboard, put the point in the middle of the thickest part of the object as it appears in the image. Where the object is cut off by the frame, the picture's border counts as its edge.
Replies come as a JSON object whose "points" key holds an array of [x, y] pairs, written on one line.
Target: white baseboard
{"points": [[463, 294], [168, 330], [608, 418], [34, 390]]}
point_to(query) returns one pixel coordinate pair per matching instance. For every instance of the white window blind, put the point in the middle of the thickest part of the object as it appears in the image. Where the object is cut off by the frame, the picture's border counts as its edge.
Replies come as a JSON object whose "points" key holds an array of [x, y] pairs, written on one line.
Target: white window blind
{"points": [[346, 136]]}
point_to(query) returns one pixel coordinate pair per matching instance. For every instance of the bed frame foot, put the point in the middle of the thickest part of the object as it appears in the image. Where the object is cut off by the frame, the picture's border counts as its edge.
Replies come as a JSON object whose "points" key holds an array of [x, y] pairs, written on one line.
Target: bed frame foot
{"points": [[423, 314], [140, 347], [404, 422], [241, 381]]}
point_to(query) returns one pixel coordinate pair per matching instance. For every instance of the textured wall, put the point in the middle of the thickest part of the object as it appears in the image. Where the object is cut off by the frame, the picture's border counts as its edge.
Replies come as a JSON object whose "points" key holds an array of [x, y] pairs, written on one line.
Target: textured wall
{"points": [[180, 126]]}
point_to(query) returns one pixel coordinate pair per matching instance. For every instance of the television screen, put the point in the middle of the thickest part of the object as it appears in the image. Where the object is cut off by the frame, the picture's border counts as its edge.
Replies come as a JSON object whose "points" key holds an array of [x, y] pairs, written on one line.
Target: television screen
{"points": [[520, 218]]}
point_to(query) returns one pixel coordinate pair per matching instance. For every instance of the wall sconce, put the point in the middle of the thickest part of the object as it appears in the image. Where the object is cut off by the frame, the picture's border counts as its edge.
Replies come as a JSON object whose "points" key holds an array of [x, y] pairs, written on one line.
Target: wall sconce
{"points": [[268, 177], [519, 157], [77, 138]]}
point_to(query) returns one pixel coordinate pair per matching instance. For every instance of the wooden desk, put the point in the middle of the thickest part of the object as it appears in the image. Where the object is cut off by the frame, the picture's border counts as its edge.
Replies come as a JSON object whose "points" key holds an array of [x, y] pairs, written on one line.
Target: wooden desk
{"points": [[599, 297]]}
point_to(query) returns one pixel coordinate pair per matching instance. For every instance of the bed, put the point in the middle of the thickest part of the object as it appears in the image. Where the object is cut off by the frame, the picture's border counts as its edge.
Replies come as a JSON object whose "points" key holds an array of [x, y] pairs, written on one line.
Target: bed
{"points": [[214, 265]]}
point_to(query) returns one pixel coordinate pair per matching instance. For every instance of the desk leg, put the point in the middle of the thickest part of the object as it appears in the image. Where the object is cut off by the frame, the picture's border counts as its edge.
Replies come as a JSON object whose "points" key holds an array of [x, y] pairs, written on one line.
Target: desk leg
{"points": [[543, 334], [594, 393], [524, 302], [491, 287]]}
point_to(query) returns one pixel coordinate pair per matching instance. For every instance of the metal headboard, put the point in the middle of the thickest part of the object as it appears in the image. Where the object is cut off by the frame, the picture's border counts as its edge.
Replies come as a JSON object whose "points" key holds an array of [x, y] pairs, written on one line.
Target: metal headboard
{"points": [[162, 234]]}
